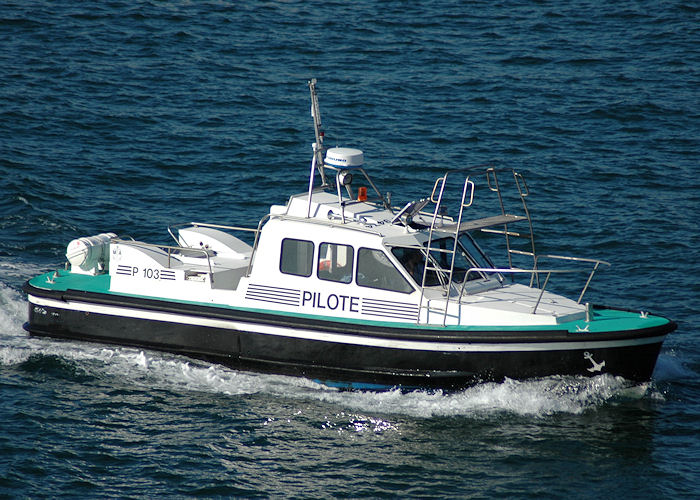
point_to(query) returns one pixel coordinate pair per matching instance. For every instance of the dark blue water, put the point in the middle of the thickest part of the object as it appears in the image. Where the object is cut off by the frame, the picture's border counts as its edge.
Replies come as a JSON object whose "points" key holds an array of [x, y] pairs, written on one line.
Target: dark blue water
{"points": [[129, 116]]}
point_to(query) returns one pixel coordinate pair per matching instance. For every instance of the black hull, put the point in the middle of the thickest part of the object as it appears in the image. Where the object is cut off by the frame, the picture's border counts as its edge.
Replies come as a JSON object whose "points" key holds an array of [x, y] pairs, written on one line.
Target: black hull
{"points": [[311, 348]]}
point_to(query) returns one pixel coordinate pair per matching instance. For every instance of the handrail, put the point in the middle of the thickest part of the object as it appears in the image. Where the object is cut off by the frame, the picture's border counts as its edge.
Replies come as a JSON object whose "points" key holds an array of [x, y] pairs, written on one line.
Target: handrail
{"points": [[534, 272], [330, 222], [255, 244], [170, 249], [518, 178], [597, 263], [221, 226], [442, 186], [577, 259], [472, 186], [441, 181], [522, 191]]}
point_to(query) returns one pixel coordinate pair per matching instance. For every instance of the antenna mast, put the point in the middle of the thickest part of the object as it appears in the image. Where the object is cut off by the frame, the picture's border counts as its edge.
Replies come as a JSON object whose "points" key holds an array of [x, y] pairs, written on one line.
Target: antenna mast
{"points": [[318, 130]]}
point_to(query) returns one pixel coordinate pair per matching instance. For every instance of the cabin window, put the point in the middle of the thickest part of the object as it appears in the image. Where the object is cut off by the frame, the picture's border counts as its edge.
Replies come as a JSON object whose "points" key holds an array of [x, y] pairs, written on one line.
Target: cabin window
{"points": [[375, 270], [463, 260], [413, 260], [297, 257], [467, 256], [478, 256], [335, 262]]}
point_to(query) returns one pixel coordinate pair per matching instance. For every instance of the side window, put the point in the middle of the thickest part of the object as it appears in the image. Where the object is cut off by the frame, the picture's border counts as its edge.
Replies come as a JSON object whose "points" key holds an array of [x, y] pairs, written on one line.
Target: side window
{"points": [[375, 270], [297, 257], [335, 262]]}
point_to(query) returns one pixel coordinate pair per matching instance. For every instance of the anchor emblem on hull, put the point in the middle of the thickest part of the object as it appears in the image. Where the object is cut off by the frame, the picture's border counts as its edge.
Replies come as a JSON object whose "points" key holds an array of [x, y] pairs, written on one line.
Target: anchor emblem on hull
{"points": [[596, 366]]}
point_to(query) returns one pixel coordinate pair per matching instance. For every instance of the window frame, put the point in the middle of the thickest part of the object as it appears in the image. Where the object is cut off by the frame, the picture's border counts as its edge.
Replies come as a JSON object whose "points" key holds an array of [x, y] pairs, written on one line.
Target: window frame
{"points": [[352, 262], [398, 272], [313, 252]]}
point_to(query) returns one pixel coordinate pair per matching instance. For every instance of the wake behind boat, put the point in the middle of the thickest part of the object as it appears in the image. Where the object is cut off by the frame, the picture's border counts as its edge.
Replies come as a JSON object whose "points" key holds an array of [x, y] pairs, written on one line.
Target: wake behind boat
{"points": [[340, 286]]}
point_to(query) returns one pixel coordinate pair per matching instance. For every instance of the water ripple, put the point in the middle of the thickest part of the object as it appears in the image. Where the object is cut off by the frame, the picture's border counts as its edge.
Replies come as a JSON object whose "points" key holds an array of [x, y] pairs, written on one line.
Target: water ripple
{"points": [[128, 116]]}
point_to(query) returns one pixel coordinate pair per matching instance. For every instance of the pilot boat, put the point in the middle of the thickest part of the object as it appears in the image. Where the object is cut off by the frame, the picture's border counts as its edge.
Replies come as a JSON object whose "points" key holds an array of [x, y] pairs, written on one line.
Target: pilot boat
{"points": [[343, 288]]}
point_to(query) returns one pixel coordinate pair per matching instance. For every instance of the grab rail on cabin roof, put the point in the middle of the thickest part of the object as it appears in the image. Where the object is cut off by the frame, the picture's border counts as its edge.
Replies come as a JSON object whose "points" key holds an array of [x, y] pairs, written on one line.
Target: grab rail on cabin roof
{"points": [[367, 227]]}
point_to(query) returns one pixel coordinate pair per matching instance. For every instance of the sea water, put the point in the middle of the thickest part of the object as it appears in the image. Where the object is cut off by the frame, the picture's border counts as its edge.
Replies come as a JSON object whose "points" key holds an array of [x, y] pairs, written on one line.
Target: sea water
{"points": [[130, 116]]}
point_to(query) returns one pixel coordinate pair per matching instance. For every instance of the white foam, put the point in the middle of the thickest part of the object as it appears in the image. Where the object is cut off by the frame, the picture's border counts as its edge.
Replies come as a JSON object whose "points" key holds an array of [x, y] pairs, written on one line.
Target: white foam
{"points": [[539, 397], [12, 307], [137, 366]]}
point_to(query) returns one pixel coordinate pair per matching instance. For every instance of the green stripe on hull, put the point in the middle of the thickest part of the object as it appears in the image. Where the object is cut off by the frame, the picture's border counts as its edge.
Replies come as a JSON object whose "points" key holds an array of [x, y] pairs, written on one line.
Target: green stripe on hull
{"points": [[604, 320]]}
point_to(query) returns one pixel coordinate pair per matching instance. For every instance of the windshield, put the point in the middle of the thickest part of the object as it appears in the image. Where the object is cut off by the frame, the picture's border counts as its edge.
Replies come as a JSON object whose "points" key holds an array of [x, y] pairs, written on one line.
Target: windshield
{"points": [[476, 254], [467, 256]]}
